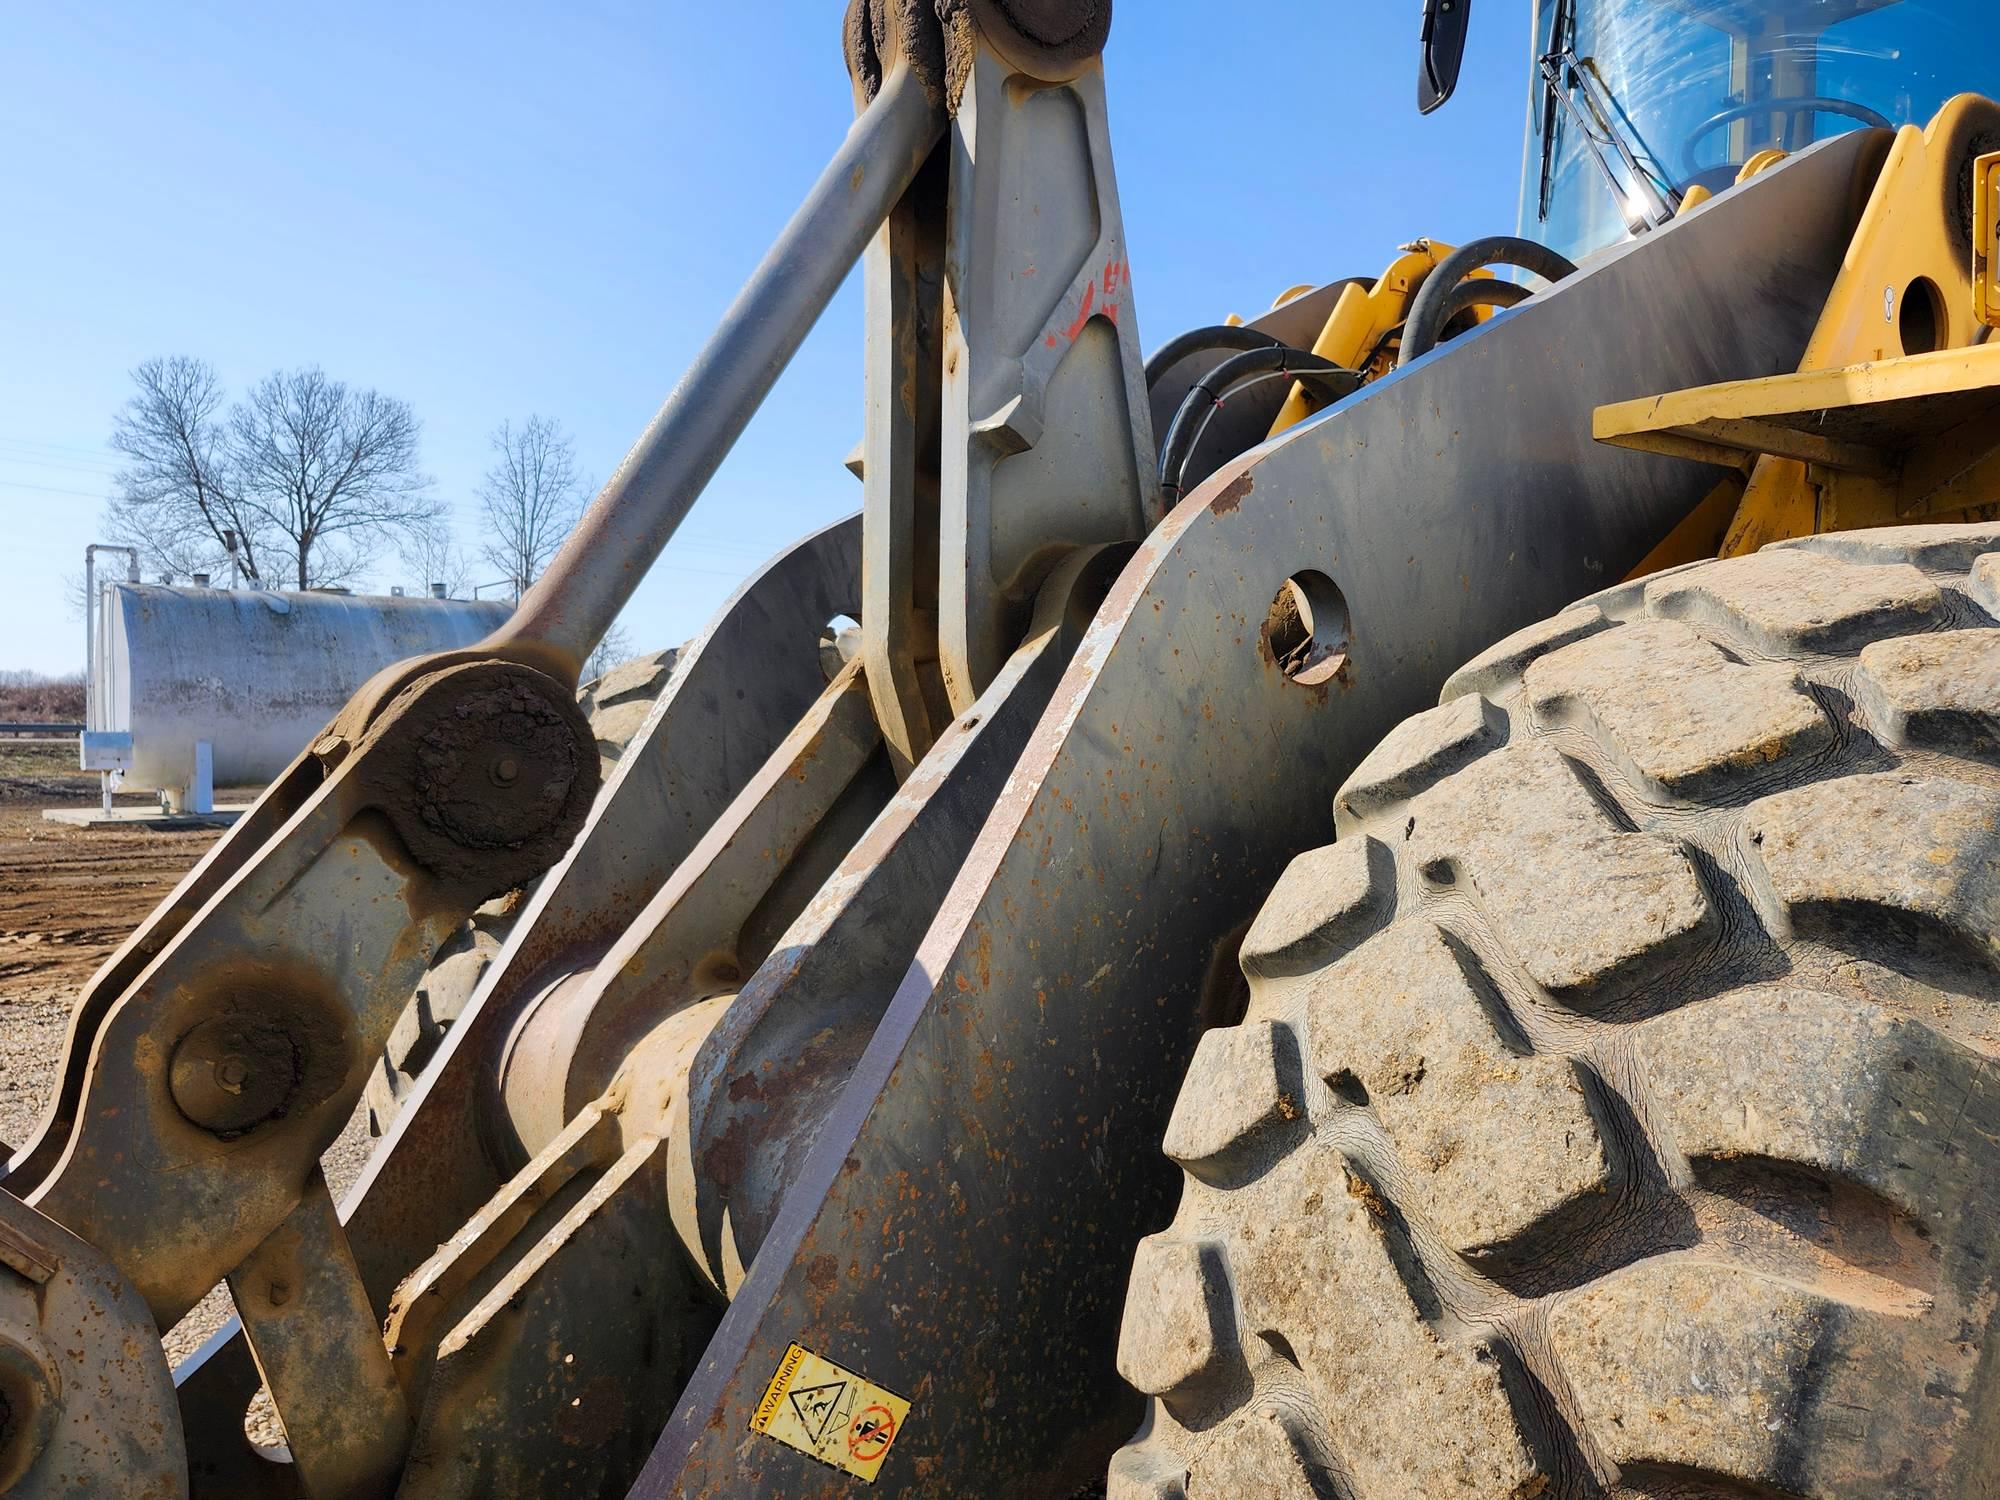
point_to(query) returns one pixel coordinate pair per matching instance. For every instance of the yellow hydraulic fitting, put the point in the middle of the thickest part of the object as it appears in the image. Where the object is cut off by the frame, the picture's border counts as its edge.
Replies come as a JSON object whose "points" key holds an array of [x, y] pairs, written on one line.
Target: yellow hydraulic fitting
{"points": [[1363, 316]]}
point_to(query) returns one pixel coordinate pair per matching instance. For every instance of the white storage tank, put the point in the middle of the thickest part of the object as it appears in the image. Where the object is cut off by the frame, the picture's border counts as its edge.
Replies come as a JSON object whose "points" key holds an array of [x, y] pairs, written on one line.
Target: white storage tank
{"points": [[252, 674]]}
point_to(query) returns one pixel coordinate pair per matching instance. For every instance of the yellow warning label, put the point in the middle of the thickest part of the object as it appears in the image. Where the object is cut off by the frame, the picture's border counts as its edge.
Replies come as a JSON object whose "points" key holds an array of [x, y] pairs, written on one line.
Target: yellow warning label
{"points": [[815, 1406]]}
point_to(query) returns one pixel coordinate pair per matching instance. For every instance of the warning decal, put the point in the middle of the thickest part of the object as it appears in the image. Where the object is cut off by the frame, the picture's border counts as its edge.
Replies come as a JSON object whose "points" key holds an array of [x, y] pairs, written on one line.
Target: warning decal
{"points": [[815, 1406]]}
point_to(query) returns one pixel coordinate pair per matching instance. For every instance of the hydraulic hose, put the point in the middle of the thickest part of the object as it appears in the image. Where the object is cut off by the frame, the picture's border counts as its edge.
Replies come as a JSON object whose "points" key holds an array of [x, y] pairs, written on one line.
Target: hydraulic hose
{"points": [[1480, 291], [1199, 340], [1433, 306], [1208, 394]]}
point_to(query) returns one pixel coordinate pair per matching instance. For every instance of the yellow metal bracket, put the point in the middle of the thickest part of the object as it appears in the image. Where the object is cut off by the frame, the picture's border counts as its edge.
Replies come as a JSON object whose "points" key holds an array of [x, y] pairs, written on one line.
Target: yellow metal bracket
{"points": [[1986, 238], [1693, 196], [1912, 436], [1357, 334], [1889, 415]]}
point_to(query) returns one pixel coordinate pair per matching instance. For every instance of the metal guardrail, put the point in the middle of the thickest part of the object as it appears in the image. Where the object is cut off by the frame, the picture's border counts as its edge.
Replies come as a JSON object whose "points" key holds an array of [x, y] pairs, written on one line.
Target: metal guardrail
{"points": [[25, 728]]}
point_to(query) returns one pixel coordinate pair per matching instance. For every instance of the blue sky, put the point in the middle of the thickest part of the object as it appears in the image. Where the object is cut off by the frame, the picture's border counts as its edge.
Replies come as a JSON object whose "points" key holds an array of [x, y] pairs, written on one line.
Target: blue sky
{"points": [[508, 209]]}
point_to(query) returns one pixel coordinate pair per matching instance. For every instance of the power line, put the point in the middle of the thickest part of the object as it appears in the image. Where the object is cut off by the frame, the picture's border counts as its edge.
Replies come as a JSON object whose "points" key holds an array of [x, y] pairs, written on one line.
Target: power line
{"points": [[100, 453], [51, 489], [55, 463]]}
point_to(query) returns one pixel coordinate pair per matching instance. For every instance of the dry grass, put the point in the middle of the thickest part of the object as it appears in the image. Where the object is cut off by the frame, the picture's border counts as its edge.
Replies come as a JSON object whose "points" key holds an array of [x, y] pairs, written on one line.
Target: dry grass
{"points": [[28, 696]]}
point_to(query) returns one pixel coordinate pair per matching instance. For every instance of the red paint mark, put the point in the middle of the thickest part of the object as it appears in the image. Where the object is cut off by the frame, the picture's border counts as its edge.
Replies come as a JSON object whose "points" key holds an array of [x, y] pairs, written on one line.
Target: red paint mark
{"points": [[1082, 313], [1050, 341]]}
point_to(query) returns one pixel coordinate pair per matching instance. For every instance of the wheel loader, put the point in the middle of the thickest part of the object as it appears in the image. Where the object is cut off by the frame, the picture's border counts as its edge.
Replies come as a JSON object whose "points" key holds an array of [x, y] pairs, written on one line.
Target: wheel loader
{"points": [[1399, 899]]}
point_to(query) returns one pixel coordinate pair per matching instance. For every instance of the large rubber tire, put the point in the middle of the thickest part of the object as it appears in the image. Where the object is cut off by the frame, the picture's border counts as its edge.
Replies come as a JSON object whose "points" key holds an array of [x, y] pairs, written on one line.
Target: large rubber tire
{"points": [[1614, 1111], [617, 705]]}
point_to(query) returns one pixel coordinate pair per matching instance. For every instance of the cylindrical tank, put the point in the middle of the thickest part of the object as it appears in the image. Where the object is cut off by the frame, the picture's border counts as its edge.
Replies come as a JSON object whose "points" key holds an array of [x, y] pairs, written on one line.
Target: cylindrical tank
{"points": [[256, 674]]}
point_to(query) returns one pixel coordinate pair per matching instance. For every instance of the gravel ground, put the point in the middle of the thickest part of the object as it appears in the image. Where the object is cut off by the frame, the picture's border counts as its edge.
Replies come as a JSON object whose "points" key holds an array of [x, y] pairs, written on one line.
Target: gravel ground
{"points": [[68, 897]]}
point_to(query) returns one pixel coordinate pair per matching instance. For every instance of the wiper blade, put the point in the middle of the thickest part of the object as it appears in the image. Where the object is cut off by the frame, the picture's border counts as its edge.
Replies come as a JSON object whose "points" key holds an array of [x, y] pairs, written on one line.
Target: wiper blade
{"points": [[1562, 37], [1644, 199]]}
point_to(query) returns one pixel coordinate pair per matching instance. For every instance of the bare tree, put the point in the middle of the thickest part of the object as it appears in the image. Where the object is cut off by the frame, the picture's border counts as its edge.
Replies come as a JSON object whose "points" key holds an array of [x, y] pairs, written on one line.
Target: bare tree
{"points": [[331, 472], [435, 555], [530, 498], [608, 653], [174, 499]]}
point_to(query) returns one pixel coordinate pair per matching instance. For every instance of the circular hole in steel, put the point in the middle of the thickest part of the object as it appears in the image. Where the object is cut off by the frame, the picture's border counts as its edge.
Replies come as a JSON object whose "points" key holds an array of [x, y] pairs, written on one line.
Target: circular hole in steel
{"points": [[1922, 320], [262, 1430], [839, 643], [1306, 632]]}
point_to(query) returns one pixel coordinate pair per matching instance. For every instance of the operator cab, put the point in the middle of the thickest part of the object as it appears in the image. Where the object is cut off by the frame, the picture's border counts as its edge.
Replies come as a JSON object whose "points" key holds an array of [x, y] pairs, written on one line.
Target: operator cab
{"points": [[1635, 102]]}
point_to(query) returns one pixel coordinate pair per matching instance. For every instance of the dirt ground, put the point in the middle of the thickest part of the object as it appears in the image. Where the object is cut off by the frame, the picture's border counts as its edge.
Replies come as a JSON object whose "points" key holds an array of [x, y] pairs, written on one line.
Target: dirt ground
{"points": [[68, 897]]}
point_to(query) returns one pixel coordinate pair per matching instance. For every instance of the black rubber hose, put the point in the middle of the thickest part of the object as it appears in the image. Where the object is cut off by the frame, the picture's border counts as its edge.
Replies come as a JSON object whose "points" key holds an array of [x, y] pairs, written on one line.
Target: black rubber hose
{"points": [[1208, 393], [1425, 323], [1197, 340], [1482, 291]]}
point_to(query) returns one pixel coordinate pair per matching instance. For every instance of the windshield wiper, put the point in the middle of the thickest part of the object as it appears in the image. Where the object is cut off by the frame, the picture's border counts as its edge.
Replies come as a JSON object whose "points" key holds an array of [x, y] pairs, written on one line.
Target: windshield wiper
{"points": [[1645, 199]]}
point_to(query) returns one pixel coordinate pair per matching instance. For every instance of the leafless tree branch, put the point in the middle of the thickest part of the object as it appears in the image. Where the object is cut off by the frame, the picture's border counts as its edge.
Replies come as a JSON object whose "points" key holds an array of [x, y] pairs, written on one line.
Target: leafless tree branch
{"points": [[608, 653], [175, 500], [530, 498], [433, 554], [329, 470], [308, 477]]}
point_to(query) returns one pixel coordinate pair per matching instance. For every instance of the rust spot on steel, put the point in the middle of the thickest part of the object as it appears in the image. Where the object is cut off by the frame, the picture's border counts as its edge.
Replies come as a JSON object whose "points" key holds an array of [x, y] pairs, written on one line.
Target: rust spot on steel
{"points": [[1231, 494]]}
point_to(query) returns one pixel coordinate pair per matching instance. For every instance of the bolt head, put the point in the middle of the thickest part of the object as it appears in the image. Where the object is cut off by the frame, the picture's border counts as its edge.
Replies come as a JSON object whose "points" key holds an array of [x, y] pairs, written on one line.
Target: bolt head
{"points": [[232, 1073], [30, 1399]]}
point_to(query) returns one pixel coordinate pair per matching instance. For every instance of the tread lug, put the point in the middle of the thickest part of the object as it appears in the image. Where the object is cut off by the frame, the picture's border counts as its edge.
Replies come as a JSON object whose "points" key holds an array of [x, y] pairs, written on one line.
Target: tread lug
{"points": [[1839, 1085], [1933, 548], [1788, 600], [1492, 1137], [1927, 847], [1327, 900], [1984, 584], [1418, 753], [1179, 1333], [1540, 853], [1244, 1082], [1935, 692], [1144, 1471], [1683, 718], [1267, 1452], [1500, 665], [1683, 1364]]}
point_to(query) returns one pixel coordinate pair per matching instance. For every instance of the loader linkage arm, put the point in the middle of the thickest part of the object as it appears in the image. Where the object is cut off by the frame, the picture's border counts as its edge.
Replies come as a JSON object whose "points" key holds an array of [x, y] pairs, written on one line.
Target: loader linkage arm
{"points": [[839, 1029], [224, 1046]]}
